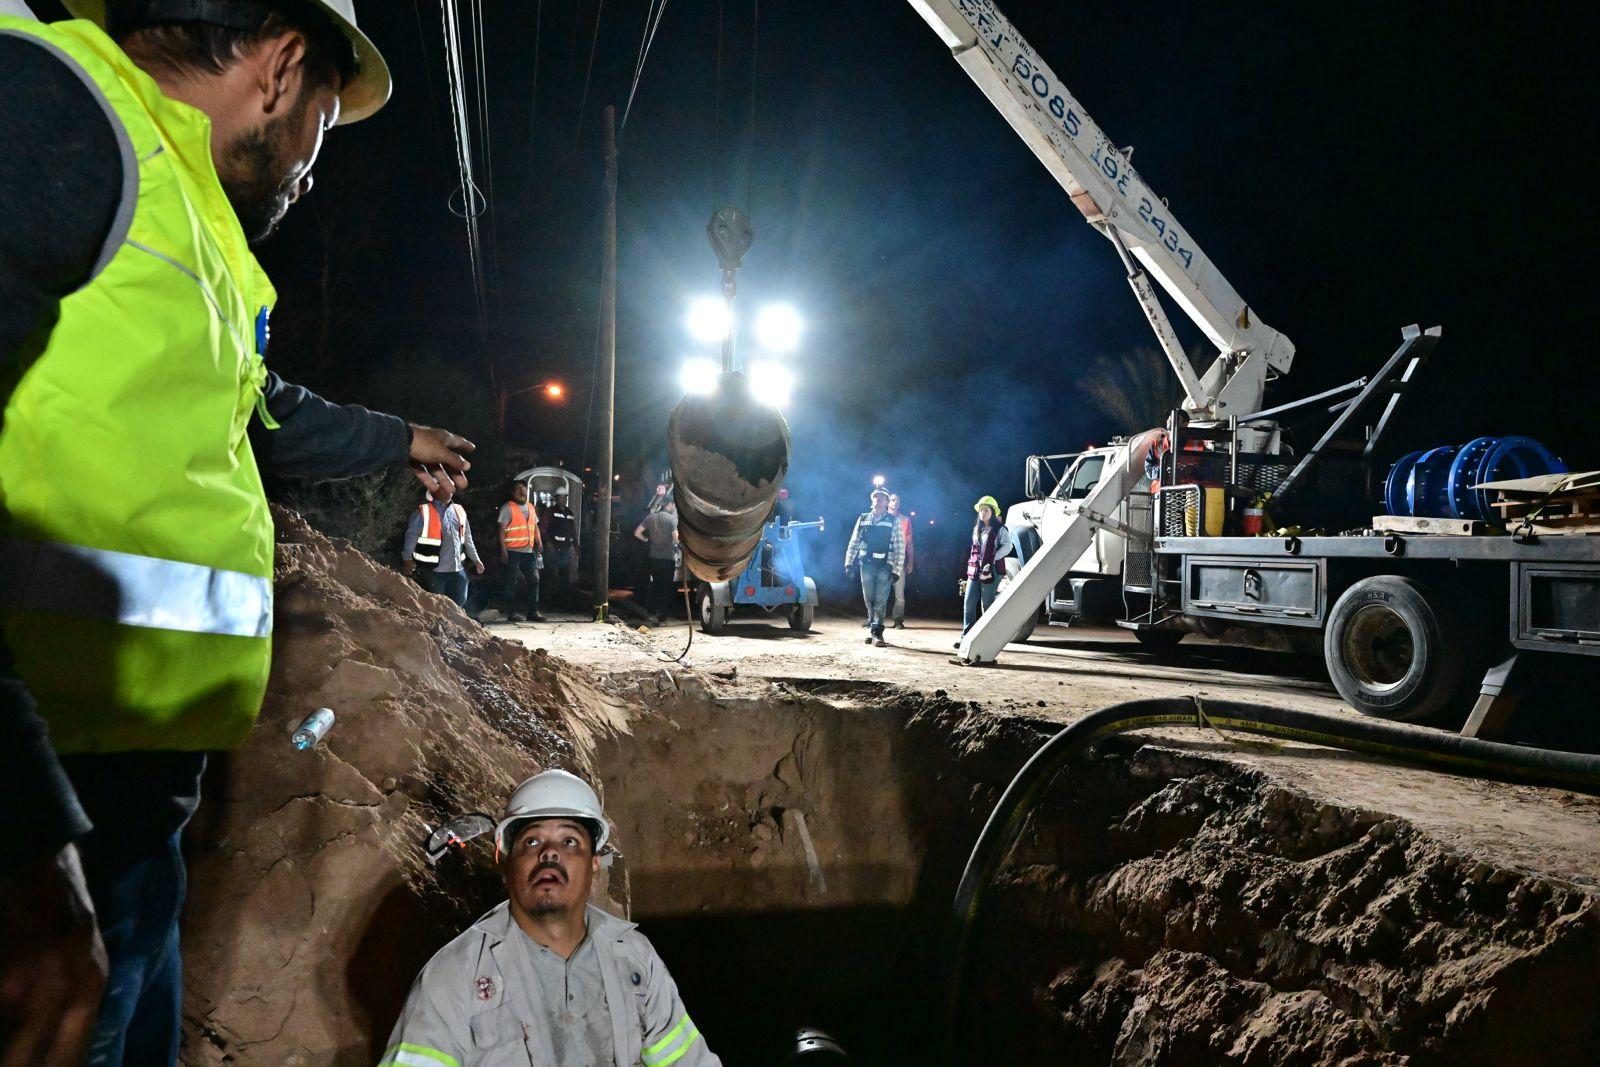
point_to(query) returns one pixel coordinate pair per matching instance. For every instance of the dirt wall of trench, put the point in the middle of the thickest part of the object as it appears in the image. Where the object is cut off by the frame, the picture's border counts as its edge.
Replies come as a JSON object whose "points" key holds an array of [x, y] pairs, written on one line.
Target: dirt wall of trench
{"points": [[792, 852], [1165, 907], [311, 907]]}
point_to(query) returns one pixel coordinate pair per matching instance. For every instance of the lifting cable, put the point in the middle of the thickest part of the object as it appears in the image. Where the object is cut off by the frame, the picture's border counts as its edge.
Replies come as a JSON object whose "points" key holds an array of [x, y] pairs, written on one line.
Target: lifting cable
{"points": [[1435, 749], [750, 127], [750, 113], [716, 114]]}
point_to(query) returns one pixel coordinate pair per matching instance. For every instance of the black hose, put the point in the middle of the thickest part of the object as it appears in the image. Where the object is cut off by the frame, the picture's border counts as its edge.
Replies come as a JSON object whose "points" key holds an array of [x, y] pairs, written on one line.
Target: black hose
{"points": [[1411, 744]]}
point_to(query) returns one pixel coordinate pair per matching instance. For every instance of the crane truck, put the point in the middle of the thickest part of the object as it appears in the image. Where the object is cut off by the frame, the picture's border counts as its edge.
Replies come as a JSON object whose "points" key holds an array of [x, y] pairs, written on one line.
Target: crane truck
{"points": [[1163, 532]]}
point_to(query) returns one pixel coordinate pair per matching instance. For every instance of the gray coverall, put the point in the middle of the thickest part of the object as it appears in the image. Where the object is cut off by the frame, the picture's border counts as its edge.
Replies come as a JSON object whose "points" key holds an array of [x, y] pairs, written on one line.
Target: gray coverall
{"points": [[477, 1004]]}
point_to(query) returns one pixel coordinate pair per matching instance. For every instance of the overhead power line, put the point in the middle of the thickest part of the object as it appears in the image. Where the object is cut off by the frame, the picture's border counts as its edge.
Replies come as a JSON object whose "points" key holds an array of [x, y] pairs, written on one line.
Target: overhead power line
{"points": [[652, 22], [473, 204]]}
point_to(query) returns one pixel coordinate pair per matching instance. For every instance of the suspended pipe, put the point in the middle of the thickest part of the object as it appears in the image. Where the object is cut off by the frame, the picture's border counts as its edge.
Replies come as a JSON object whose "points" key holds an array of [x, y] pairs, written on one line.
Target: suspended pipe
{"points": [[729, 455], [1436, 749]]}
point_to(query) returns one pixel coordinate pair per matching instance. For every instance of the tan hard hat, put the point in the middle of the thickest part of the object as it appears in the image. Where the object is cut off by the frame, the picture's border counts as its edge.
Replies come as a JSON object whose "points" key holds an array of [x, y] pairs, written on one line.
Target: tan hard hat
{"points": [[368, 90]]}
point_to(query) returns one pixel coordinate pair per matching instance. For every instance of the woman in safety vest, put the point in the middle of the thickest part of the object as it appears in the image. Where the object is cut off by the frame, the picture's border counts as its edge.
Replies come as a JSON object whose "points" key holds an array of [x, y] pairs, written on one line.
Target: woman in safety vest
{"points": [[991, 542]]}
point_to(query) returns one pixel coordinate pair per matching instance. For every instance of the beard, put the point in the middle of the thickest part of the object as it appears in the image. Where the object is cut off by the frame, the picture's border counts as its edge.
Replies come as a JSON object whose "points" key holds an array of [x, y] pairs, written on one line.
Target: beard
{"points": [[547, 906], [261, 176]]}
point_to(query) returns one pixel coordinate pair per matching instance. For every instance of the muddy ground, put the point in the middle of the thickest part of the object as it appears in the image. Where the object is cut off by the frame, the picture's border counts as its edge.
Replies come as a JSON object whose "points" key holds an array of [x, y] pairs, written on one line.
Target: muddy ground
{"points": [[792, 814]]}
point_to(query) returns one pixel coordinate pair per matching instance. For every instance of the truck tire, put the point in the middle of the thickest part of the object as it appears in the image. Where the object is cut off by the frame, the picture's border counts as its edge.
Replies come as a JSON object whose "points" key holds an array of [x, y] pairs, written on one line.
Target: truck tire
{"points": [[1159, 641], [712, 615], [1027, 542], [1025, 631], [1395, 649], [800, 616]]}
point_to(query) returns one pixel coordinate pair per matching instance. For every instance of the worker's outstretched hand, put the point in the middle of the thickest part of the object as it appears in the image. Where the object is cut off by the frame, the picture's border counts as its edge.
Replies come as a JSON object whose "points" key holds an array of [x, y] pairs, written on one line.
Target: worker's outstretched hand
{"points": [[52, 963], [437, 453]]}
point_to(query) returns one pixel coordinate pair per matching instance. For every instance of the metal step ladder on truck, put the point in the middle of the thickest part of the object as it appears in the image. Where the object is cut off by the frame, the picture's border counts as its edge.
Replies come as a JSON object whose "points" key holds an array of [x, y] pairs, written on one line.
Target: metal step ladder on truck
{"points": [[1159, 532]]}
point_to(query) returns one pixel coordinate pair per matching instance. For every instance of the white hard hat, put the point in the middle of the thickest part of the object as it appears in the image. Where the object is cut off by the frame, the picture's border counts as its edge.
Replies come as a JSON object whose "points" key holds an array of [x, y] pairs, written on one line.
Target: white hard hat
{"points": [[366, 92], [553, 795]]}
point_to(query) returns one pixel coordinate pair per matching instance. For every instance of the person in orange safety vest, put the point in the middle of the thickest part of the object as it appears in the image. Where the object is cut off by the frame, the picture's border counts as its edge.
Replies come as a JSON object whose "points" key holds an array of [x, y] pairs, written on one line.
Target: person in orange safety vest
{"points": [[521, 552]]}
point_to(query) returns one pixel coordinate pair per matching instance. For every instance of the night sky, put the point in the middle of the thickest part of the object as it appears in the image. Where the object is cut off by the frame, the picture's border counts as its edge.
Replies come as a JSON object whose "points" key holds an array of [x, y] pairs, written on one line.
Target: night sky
{"points": [[1351, 168]]}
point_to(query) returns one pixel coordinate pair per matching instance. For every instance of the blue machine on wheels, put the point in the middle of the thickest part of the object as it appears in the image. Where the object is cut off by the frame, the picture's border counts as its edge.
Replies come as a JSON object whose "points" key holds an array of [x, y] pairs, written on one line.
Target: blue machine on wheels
{"points": [[774, 580]]}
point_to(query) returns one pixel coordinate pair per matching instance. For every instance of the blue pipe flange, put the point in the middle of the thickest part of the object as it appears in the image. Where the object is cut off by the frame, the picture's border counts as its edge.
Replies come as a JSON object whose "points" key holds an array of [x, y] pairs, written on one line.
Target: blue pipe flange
{"points": [[1464, 474], [1394, 486], [1491, 459], [1428, 488]]}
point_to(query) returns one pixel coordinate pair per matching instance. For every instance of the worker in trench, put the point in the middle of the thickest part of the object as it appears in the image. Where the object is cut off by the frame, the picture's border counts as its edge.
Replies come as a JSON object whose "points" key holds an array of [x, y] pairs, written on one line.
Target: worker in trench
{"points": [[142, 158], [440, 538], [545, 976], [878, 548]]}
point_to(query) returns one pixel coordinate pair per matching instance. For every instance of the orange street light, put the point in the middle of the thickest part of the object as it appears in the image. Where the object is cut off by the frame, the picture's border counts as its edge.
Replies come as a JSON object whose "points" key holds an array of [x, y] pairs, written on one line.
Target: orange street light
{"points": [[554, 391]]}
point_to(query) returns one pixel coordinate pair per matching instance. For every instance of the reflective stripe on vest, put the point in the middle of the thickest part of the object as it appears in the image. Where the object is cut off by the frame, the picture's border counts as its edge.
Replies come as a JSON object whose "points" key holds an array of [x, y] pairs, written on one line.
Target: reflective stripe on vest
{"points": [[673, 1047], [407, 1054], [561, 525], [130, 492], [431, 540], [519, 531], [120, 587], [877, 539]]}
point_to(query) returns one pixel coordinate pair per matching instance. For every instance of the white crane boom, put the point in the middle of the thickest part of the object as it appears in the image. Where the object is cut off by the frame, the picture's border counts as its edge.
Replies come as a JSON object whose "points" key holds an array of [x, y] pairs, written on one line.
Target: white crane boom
{"points": [[1104, 186]]}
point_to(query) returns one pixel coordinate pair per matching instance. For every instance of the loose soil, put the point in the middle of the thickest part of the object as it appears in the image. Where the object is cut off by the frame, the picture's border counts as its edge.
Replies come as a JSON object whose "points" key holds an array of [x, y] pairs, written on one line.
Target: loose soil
{"points": [[792, 815]]}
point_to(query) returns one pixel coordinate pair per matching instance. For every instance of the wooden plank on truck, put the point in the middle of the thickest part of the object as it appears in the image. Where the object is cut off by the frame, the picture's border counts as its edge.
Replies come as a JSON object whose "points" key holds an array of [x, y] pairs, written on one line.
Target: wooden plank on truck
{"points": [[1418, 524]]}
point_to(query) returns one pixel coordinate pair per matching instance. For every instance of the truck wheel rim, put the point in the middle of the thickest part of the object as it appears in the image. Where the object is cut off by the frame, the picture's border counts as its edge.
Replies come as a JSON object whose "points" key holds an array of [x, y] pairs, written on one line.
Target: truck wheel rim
{"points": [[1378, 648]]}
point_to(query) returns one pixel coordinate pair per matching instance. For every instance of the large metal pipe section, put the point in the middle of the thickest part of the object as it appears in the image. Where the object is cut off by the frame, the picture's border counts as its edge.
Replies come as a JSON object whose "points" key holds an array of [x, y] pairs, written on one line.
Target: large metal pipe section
{"points": [[729, 456], [1439, 482]]}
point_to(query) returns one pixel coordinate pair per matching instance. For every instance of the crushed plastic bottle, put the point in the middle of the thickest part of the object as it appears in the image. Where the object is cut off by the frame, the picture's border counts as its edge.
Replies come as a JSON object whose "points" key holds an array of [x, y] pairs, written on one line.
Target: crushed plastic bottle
{"points": [[313, 730]]}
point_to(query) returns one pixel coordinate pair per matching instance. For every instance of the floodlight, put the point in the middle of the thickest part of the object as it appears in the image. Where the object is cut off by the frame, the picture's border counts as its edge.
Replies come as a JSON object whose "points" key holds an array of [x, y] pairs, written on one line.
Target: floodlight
{"points": [[778, 328], [699, 376], [709, 320], [771, 383]]}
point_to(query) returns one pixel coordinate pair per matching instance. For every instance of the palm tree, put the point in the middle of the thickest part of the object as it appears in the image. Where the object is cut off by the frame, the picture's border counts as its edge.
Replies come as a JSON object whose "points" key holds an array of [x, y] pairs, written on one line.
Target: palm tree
{"points": [[1138, 389]]}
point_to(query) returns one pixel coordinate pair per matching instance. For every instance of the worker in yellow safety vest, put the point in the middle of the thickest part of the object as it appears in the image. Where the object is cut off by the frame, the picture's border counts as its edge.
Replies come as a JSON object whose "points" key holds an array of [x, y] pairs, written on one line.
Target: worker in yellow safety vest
{"points": [[521, 552], [147, 145]]}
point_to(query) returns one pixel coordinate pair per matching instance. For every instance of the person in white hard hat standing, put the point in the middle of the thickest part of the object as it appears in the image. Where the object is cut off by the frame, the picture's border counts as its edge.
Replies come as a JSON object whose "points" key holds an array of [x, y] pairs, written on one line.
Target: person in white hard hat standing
{"points": [[561, 537], [878, 547], [546, 977], [148, 144]]}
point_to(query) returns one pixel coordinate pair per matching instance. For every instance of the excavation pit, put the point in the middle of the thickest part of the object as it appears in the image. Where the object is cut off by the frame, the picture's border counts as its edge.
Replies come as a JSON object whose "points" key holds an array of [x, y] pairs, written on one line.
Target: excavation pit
{"points": [[1166, 906], [792, 849]]}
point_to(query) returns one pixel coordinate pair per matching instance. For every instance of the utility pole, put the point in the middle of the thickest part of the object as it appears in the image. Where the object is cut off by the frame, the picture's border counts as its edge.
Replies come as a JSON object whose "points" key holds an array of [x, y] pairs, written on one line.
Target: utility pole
{"points": [[607, 379]]}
